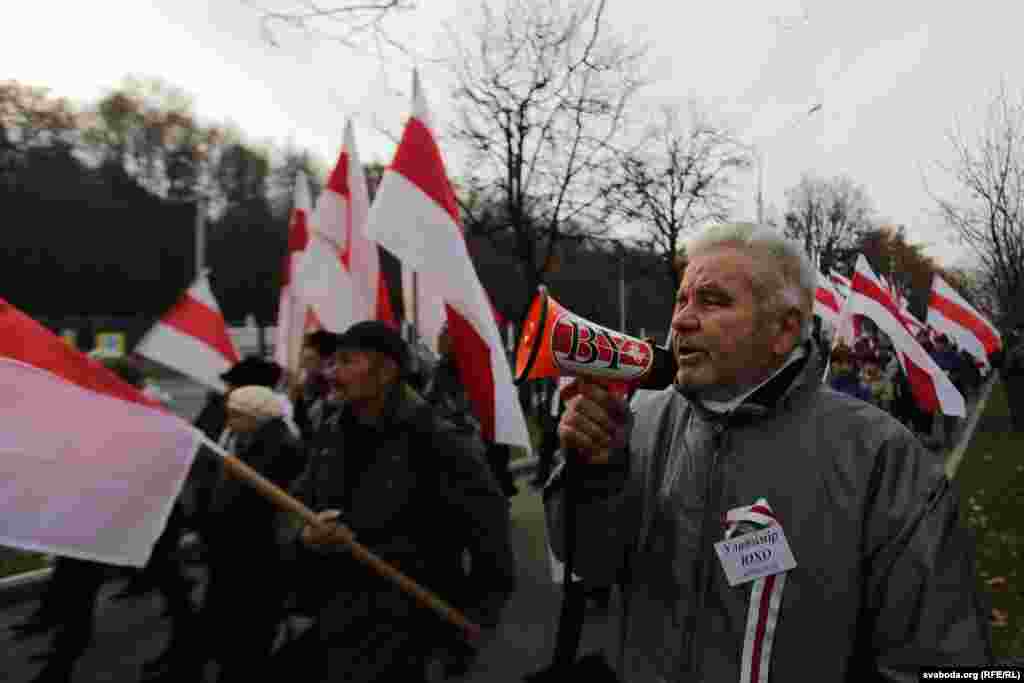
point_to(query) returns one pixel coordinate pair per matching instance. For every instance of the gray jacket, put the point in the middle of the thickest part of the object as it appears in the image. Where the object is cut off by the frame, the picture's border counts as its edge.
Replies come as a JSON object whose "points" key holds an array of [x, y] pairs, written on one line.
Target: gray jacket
{"points": [[885, 577]]}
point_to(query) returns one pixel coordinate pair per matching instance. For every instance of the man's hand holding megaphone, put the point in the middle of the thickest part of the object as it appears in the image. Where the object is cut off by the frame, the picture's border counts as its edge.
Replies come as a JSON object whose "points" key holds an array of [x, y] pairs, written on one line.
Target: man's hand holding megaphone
{"points": [[595, 421]]}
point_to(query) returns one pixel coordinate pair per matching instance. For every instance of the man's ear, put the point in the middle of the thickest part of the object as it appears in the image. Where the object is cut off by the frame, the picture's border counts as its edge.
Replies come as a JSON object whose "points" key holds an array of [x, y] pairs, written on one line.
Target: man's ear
{"points": [[790, 326], [387, 369]]}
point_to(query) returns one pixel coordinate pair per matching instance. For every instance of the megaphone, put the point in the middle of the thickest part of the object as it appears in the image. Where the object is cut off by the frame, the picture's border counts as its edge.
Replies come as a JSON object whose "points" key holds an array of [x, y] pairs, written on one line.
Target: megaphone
{"points": [[556, 342]]}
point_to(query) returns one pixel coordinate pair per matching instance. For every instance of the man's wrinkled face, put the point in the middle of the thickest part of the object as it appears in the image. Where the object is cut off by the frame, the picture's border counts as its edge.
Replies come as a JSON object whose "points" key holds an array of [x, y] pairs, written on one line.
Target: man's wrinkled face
{"points": [[722, 341], [357, 376]]}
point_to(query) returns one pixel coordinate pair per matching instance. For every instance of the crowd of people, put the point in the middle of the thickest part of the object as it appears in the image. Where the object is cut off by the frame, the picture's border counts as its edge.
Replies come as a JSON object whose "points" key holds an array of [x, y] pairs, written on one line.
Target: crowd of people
{"points": [[681, 494], [871, 371], [386, 452]]}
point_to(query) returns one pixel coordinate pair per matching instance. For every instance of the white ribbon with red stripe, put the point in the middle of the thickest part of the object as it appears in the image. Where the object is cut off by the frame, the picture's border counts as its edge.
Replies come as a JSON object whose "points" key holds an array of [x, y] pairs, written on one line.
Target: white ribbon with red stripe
{"points": [[765, 596]]}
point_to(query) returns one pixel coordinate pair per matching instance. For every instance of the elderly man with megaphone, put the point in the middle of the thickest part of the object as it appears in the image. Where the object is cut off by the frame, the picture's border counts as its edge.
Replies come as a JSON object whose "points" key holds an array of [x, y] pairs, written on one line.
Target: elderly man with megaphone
{"points": [[760, 525]]}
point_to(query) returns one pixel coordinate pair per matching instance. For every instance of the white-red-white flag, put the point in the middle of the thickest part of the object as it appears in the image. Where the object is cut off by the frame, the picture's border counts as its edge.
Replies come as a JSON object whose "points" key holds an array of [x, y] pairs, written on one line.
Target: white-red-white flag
{"points": [[292, 312], [416, 218], [340, 274], [932, 388], [840, 282], [848, 328], [910, 321], [192, 337], [827, 302], [949, 313], [91, 466]]}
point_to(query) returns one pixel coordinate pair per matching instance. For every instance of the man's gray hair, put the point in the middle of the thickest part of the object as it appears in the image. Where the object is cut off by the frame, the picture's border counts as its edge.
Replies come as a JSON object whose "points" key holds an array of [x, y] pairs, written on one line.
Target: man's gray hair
{"points": [[789, 285]]}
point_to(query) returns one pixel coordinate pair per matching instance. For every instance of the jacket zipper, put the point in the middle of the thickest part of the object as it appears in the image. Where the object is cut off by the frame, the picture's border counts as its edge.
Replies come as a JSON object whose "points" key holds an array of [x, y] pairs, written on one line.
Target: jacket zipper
{"points": [[703, 585]]}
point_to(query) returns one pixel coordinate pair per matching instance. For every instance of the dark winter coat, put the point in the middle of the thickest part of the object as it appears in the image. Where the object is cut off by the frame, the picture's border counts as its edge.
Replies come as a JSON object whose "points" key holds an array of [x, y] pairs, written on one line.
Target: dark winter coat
{"points": [[416, 492]]}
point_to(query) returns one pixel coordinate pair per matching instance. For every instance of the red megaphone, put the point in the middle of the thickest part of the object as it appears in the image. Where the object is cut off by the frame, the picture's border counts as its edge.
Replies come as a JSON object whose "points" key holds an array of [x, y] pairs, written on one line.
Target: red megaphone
{"points": [[556, 342]]}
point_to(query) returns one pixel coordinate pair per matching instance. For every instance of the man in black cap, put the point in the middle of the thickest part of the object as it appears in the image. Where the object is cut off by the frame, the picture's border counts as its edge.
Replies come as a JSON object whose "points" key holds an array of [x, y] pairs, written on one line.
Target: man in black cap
{"points": [[310, 392], [417, 493]]}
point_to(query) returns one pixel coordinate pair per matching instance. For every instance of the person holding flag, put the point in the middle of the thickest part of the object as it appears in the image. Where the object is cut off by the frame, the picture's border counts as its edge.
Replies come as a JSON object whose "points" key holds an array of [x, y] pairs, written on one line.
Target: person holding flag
{"points": [[416, 491]]}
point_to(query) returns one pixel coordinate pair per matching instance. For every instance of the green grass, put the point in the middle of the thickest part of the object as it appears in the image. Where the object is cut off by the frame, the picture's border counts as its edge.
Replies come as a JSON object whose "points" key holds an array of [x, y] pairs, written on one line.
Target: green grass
{"points": [[991, 483], [17, 561]]}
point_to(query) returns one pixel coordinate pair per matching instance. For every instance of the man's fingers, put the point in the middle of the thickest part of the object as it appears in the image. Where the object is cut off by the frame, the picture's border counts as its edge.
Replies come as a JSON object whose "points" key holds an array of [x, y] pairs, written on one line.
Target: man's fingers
{"points": [[596, 414], [590, 422], [328, 515], [613, 405]]}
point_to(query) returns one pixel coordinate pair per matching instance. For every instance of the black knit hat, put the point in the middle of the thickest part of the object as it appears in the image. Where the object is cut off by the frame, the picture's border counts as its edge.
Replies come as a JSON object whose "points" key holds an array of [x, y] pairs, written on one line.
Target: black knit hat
{"points": [[374, 335], [325, 343], [253, 370]]}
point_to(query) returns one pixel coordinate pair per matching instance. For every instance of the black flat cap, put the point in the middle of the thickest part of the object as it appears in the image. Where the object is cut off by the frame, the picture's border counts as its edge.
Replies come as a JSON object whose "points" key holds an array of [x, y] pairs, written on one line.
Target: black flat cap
{"points": [[374, 335], [325, 343], [253, 370]]}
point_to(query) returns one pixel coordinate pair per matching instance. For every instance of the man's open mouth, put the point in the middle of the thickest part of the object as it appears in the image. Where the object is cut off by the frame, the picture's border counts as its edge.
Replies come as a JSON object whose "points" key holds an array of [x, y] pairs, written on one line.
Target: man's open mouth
{"points": [[689, 352]]}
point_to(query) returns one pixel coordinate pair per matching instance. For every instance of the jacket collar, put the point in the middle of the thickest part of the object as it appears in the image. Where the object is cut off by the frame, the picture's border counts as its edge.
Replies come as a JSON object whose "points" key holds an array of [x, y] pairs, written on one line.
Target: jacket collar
{"points": [[400, 408], [798, 377]]}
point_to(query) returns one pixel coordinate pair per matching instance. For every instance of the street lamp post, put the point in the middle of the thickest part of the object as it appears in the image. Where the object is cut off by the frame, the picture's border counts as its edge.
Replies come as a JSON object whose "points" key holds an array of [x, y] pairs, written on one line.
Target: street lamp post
{"points": [[200, 236], [759, 157], [760, 185], [622, 289]]}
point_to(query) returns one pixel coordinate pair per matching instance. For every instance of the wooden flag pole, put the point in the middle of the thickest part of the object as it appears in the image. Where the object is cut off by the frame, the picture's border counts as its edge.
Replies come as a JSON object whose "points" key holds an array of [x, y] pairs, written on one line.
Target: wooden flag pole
{"points": [[344, 536]]}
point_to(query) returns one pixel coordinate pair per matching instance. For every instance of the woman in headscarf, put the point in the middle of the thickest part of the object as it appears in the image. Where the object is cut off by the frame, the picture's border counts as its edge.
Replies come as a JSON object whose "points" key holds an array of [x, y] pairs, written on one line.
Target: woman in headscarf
{"points": [[239, 619]]}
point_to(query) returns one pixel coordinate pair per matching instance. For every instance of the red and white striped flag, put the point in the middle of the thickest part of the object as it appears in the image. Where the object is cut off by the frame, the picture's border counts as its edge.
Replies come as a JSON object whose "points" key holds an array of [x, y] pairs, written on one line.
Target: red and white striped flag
{"points": [[949, 313], [416, 218], [292, 312], [192, 337], [340, 274], [847, 324], [827, 302], [932, 389], [910, 321], [840, 282], [101, 485]]}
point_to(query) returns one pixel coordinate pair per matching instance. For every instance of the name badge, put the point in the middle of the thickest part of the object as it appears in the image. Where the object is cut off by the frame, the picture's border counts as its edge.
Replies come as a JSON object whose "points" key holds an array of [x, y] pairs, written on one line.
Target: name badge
{"points": [[754, 555]]}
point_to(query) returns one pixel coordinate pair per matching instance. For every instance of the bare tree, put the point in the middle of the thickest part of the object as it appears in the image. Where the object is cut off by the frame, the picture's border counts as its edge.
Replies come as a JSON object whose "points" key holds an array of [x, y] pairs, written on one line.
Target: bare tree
{"points": [[987, 213], [827, 216], [679, 180], [541, 96], [148, 128], [30, 119], [360, 25]]}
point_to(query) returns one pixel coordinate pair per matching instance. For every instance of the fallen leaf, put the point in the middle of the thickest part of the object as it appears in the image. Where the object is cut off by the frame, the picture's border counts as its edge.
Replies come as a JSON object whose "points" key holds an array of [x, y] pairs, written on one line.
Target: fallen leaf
{"points": [[999, 618], [997, 583]]}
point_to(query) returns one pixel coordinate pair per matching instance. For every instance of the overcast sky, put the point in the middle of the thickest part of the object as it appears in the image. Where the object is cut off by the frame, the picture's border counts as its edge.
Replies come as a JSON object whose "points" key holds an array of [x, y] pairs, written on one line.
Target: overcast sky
{"points": [[892, 78]]}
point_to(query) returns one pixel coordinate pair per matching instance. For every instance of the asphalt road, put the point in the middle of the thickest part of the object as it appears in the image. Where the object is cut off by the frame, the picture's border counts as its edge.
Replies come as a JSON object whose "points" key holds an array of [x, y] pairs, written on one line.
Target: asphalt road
{"points": [[129, 633]]}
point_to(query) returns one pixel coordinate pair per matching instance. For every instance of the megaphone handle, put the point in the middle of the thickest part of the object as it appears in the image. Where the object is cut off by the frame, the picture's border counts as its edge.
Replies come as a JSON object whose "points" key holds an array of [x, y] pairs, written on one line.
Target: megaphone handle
{"points": [[571, 617]]}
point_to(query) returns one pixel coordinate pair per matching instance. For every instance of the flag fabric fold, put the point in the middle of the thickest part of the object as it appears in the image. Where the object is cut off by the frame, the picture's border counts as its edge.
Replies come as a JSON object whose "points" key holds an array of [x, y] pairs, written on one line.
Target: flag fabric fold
{"points": [[100, 486], [949, 313], [192, 337], [840, 282], [932, 388], [827, 301], [415, 217], [340, 274], [292, 312]]}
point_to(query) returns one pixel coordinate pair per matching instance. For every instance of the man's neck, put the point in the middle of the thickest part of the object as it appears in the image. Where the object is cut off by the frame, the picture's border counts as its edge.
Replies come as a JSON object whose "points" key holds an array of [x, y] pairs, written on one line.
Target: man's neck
{"points": [[370, 411], [727, 398]]}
